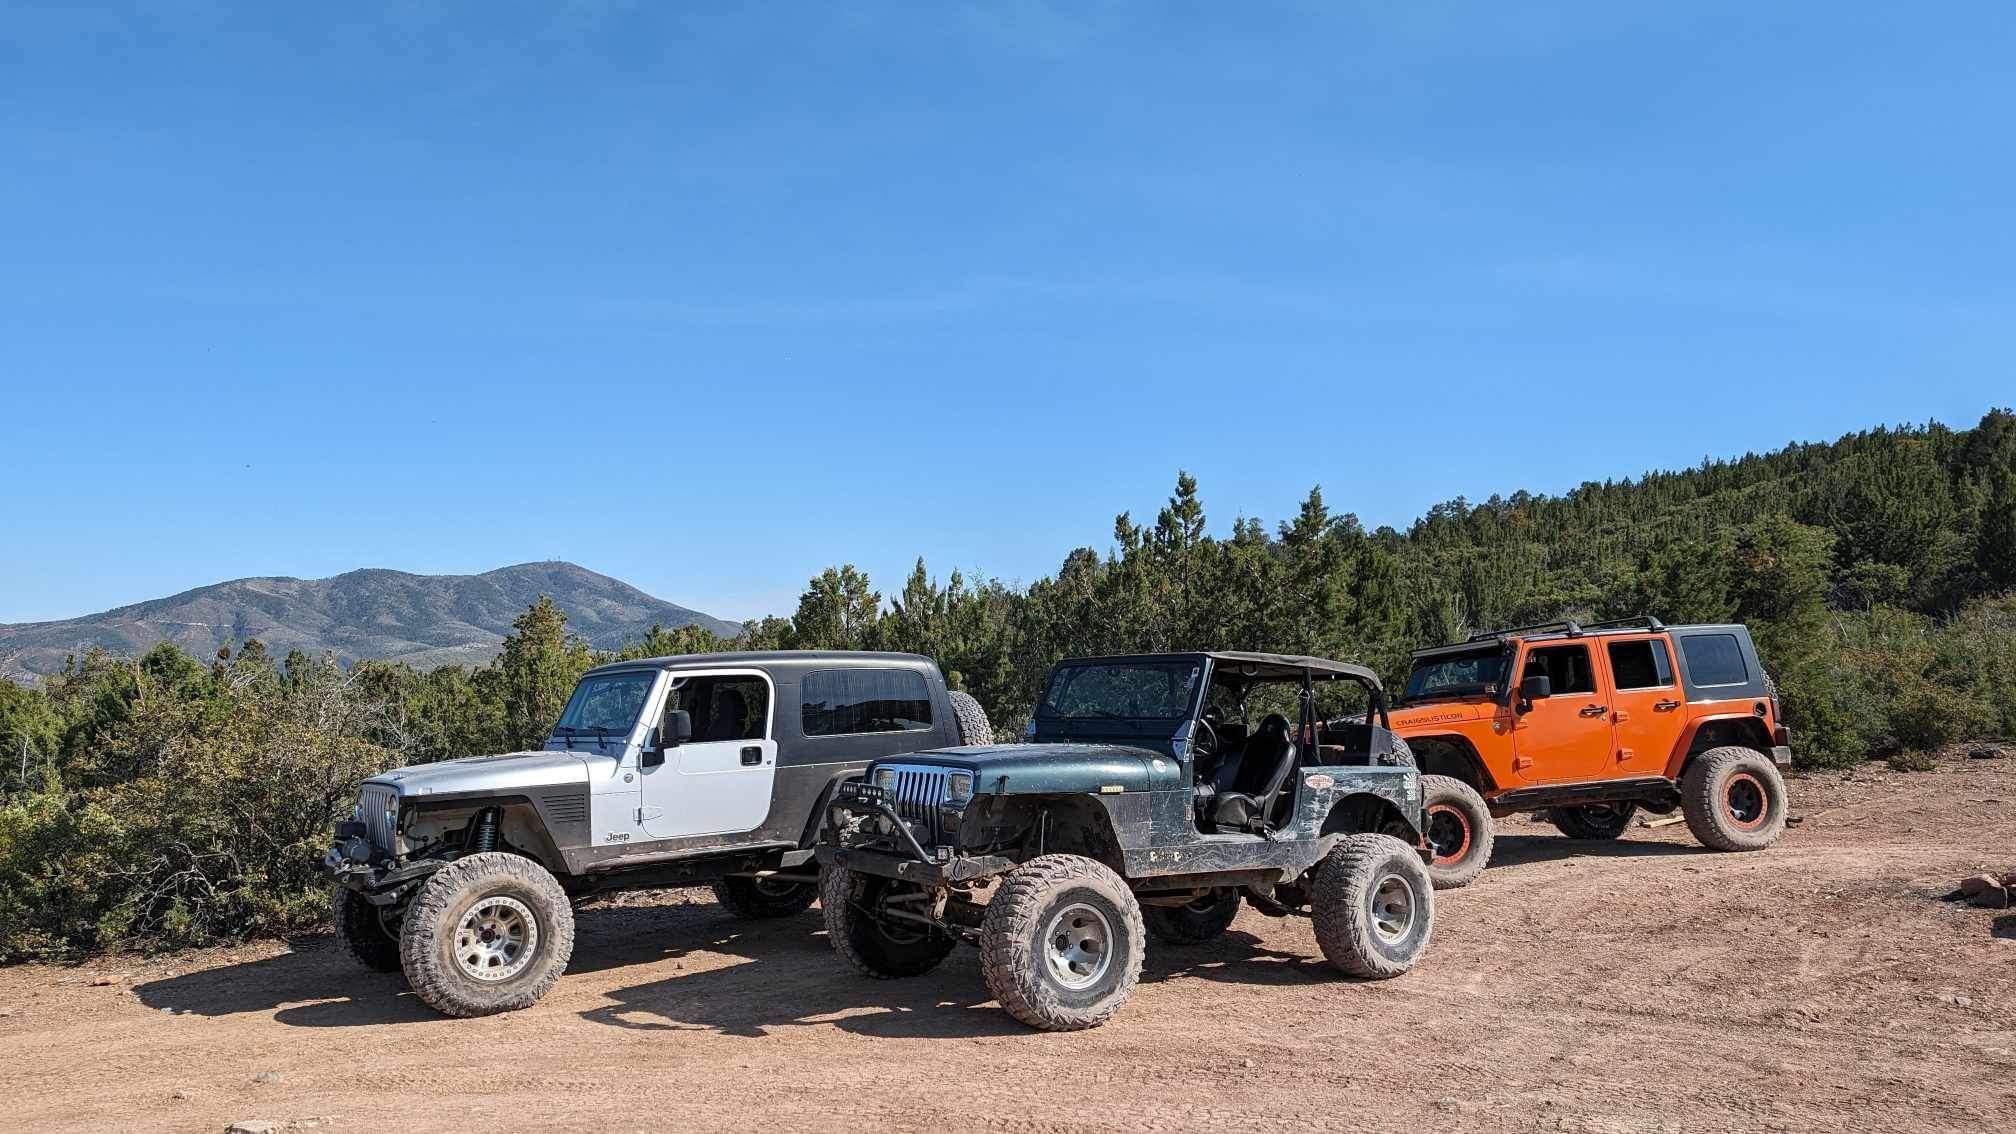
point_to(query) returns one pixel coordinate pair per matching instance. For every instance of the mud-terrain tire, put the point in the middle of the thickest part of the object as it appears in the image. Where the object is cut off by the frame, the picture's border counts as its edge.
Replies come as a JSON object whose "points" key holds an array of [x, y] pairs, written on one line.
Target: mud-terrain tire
{"points": [[358, 927], [874, 947], [1459, 831], [464, 921], [1203, 920], [1061, 943], [1373, 906], [972, 719], [1593, 820], [1734, 799], [756, 899]]}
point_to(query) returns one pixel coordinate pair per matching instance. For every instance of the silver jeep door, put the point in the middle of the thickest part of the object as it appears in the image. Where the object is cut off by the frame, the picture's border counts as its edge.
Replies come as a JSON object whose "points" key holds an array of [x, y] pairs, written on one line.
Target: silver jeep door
{"points": [[719, 782]]}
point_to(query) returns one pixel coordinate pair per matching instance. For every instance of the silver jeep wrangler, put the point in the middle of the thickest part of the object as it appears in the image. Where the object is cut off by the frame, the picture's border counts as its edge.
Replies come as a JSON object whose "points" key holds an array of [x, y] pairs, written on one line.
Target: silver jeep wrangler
{"points": [[678, 771]]}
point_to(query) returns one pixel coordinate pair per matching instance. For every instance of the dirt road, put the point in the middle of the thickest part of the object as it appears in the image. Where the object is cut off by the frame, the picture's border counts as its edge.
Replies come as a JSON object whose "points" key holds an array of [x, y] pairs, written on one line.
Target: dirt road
{"points": [[1641, 986]]}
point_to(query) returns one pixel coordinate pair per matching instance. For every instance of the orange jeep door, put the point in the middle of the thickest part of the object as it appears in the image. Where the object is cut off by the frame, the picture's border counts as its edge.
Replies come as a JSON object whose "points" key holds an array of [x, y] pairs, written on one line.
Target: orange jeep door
{"points": [[1564, 738], [1645, 705]]}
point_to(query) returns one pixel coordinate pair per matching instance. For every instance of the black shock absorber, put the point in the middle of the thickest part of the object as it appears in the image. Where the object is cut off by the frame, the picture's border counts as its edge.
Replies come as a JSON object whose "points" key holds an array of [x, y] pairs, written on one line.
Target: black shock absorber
{"points": [[483, 834]]}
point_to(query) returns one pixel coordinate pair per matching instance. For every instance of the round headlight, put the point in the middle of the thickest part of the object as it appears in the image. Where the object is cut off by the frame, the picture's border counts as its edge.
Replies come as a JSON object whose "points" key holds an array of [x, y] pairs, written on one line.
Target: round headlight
{"points": [[885, 778], [959, 787]]}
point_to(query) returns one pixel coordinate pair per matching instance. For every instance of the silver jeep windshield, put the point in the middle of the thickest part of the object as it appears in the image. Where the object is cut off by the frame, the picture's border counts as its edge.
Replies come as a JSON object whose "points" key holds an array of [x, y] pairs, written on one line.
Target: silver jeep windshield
{"points": [[609, 704]]}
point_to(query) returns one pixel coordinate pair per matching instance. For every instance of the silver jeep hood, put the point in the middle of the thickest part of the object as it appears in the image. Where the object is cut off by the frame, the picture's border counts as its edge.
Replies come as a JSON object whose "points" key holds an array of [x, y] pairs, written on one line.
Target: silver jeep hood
{"points": [[513, 771]]}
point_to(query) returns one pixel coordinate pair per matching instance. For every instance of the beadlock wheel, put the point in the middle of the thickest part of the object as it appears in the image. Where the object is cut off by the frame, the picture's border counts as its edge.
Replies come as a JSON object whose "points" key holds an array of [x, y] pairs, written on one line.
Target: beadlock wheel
{"points": [[1746, 801], [496, 939], [1448, 834]]}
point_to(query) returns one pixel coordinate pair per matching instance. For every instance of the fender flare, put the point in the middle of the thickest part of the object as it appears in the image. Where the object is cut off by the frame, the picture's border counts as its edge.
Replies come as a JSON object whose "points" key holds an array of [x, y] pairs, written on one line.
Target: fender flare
{"points": [[1474, 771], [1745, 725]]}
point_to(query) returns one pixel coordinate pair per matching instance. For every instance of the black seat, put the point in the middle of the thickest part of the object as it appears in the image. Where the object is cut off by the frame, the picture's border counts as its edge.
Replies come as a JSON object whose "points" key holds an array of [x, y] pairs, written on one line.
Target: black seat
{"points": [[1248, 784], [727, 716]]}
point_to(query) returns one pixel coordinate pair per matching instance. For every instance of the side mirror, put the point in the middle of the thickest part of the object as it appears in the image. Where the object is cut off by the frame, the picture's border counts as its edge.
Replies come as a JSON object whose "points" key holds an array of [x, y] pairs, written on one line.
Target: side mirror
{"points": [[1536, 687], [676, 730]]}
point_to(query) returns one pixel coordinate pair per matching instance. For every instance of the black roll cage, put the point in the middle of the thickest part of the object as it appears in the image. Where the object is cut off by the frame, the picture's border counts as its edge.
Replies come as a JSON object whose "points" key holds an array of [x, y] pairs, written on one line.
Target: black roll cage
{"points": [[1305, 729]]}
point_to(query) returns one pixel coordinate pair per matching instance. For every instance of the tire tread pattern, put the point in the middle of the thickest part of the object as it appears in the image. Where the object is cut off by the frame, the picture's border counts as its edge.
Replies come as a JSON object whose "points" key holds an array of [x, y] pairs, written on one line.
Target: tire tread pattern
{"points": [[427, 917], [836, 902], [357, 925], [1181, 925], [1009, 931], [1339, 905], [742, 898], [974, 730], [1575, 823], [1450, 790], [1701, 788]]}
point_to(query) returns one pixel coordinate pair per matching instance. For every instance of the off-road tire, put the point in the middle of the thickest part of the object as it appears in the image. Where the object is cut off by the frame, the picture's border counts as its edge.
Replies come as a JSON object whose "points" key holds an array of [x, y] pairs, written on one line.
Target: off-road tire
{"points": [[1068, 894], [1453, 805], [1203, 920], [1351, 930], [1715, 789], [1593, 821], [972, 719], [428, 938], [357, 925], [756, 899], [877, 950]]}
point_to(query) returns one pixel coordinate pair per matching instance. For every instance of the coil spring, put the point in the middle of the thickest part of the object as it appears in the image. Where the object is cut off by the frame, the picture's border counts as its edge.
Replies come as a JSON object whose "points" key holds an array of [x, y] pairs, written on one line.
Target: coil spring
{"points": [[484, 837]]}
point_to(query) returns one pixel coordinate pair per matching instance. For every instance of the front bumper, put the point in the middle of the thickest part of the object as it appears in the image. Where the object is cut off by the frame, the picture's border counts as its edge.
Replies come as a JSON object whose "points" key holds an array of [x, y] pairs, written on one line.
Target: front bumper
{"points": [[354, 864], [897, 854]]}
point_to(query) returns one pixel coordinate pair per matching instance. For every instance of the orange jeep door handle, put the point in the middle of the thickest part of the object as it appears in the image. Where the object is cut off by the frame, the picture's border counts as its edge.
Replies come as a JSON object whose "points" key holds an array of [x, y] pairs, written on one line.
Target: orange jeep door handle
{"points": [[1593, 711], [1665, 706]]}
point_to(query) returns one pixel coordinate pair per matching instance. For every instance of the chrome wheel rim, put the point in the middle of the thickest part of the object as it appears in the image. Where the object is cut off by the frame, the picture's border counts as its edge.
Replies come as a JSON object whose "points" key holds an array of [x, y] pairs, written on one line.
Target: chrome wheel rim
{"points": [[1392, 909], [496, 939], [1078, 946]]}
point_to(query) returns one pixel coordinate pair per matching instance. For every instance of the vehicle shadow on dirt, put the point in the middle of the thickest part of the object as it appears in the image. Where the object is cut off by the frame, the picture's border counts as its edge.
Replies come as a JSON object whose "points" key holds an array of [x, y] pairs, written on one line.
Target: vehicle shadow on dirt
{"points": [[321, 971], [1519, 850], [317, 983], [793, 979]]}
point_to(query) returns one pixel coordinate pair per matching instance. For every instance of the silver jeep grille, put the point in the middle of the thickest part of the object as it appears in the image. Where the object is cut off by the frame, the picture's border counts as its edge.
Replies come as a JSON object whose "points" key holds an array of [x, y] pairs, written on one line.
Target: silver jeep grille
{"points": [[919, 791], [375, 801]]}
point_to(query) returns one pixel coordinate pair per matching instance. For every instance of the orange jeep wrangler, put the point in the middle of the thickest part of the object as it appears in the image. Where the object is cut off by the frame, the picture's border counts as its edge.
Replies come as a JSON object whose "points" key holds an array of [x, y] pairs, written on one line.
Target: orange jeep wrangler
{"points": [[1587, 724]]}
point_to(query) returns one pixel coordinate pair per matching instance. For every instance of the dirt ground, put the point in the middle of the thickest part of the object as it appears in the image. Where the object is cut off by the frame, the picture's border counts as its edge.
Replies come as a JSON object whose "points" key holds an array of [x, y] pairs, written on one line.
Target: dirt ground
{"points": [[1645, 985]]}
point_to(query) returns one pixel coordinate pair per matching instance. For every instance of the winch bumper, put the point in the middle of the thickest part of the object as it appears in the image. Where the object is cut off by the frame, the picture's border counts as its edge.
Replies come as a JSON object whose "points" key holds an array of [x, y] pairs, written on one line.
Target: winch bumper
{"points": [[897, 853]]}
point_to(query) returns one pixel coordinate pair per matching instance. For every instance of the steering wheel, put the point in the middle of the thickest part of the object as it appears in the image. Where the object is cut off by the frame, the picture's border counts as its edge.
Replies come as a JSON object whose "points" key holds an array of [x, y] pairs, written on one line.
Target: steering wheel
{"points": [[1210, 735]]}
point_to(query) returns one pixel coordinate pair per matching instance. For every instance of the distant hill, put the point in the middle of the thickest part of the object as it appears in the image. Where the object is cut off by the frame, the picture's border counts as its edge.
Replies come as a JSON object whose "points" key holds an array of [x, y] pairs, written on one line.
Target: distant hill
{"points": [[424, 620]]}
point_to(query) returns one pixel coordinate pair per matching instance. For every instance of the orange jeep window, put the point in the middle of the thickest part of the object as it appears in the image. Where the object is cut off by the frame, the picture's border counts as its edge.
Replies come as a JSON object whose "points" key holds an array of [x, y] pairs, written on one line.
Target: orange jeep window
{"points": [[1640, 665], [1566, 667]]}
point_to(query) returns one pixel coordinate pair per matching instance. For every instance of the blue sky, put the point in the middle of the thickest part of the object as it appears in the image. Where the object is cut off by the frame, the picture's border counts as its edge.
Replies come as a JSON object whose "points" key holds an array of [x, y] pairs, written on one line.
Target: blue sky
{"points": [[709, 297]]}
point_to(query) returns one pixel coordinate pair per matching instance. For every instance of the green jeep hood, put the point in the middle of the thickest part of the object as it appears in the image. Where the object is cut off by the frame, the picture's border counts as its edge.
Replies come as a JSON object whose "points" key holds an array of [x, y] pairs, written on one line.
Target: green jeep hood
{"points": [[1044, 768]]}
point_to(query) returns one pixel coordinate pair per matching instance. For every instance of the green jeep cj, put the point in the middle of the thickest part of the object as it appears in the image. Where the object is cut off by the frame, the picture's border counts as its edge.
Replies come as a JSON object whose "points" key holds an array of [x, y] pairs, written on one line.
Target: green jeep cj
{"points": [[1154, 794]]}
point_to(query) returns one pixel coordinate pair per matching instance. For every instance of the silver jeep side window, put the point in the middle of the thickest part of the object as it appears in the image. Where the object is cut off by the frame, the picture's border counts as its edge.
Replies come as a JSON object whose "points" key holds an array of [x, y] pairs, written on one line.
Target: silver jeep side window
{"points": [[841, 702]]}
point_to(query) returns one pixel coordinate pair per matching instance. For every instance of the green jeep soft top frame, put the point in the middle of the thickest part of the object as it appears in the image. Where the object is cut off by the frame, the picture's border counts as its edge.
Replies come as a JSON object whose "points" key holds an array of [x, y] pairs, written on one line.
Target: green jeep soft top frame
{"points": [[1135, 790]]}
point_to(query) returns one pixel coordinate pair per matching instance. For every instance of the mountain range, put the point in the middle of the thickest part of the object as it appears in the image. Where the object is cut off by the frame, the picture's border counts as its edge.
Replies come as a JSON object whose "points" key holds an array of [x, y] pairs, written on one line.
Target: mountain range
{"points": [[423, 620]]}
